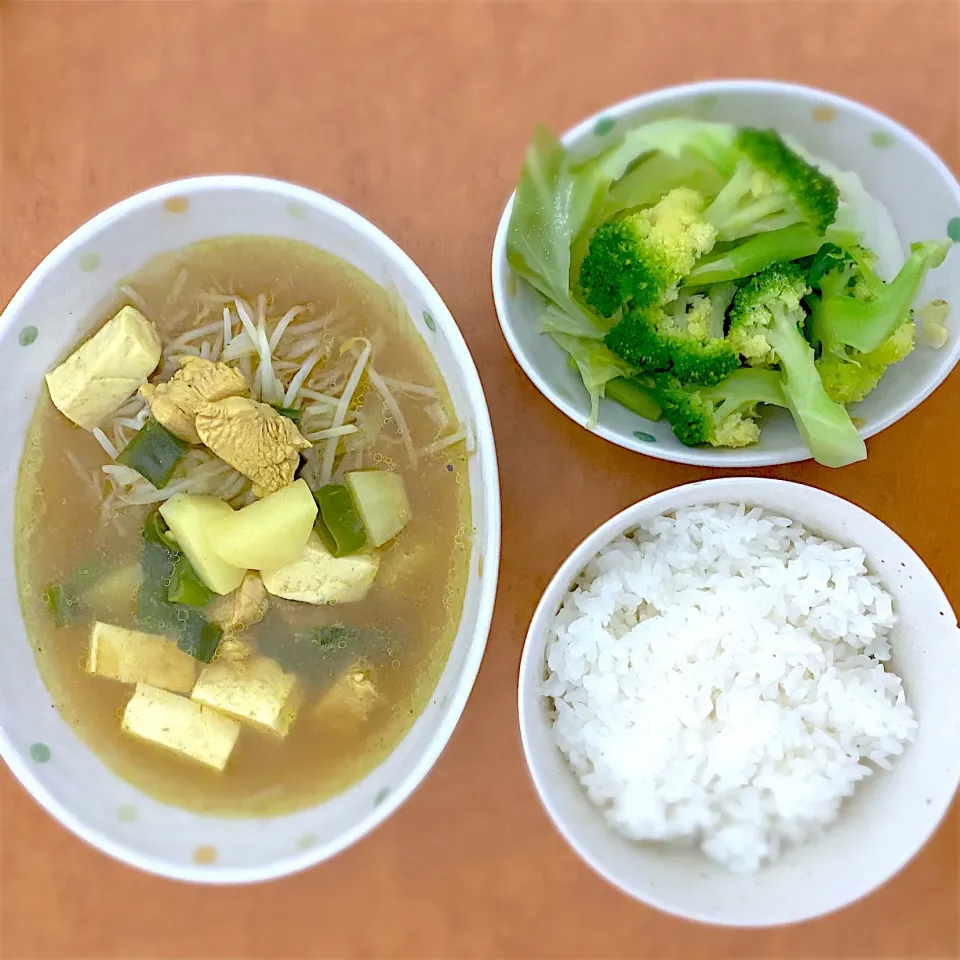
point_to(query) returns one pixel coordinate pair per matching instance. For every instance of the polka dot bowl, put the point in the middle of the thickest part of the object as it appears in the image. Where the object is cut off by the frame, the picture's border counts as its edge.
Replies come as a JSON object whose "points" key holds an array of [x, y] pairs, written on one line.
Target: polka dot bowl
{"points": [[921, 194], [42, 322]]}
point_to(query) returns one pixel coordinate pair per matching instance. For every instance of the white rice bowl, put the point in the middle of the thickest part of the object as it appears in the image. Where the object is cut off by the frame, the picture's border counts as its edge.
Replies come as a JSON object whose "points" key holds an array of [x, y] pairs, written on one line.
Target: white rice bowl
{"points": [[718, 677], [878, 828]]}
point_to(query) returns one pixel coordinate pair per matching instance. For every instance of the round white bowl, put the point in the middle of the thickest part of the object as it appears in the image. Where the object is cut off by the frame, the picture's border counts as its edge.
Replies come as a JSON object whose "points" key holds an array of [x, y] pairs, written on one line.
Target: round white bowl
{"points": [[45, 318], [880, 828], [895, 166]]}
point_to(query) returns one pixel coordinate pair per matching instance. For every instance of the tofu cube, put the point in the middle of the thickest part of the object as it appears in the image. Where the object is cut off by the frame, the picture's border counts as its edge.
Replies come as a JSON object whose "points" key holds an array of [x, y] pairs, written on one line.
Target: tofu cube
{"points": [[257, 691], [348, 703], [319, 577], [181, 725], [133, 657], [106, 371]]}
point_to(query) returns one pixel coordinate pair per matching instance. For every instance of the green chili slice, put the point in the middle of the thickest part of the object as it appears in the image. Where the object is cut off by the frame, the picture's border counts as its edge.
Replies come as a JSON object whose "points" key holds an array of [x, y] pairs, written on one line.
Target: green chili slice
{"points": [[154, 453], [290, 414], [341, 520]]}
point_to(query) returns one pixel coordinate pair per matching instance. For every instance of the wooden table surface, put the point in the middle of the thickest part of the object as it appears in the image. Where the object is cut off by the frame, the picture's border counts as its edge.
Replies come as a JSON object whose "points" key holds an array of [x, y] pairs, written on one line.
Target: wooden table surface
{"points": [[416, 115]]}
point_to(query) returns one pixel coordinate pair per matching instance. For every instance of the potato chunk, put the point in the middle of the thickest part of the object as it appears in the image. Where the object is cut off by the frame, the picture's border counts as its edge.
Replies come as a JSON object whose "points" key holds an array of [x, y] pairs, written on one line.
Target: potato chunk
{"points": [[134, 657], [382, 503], [106, 371], [257, 691], [268, 533], [180, 725], [194, 520], [319, 577]]}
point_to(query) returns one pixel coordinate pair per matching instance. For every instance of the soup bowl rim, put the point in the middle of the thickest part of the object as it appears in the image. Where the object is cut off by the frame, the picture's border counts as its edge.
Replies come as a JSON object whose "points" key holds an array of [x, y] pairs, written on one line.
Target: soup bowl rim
{"points": [[489, 488]]}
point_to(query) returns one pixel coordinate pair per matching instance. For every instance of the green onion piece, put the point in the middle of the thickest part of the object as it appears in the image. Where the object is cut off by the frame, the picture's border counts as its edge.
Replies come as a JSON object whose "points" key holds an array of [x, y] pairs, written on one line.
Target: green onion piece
{"points": [[163, 571], [65, 608], [341, 519], [290, 414], [320, 655], [186, 587], [65, 599], [199, 637], [633, 396], [154, 453]]}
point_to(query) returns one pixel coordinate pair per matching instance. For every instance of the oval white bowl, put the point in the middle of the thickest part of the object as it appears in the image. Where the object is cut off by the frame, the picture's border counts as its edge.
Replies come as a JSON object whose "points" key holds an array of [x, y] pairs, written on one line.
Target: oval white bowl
{"points": [[45, 318]]}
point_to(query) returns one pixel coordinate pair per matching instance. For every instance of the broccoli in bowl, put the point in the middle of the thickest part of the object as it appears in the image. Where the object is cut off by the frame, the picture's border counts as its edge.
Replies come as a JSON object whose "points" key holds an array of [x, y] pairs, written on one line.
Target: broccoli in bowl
{"points": [[720, 271]]}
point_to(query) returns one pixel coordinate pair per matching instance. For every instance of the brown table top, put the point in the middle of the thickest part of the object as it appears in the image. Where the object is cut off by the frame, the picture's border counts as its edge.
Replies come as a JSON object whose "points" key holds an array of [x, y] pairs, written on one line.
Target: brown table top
{"points": [[416, 115]]}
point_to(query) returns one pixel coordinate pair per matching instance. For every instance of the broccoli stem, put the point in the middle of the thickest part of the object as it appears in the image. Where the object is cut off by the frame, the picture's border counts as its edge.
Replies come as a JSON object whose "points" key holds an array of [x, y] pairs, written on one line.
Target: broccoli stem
{"points": [[735, 215], [744, 389], [845, 320], [721, 296], [755, 254], [825, 425], [630, 394], [727, 202]]}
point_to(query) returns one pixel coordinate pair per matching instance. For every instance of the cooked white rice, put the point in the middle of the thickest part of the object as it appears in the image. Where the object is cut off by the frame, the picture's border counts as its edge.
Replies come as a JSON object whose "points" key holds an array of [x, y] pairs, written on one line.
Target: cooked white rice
{"points": [[717, 677]]}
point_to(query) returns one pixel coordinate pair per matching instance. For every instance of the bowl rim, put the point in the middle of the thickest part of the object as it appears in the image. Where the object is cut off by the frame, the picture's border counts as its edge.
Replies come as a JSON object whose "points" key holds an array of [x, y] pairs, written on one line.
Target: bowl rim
{"points": [[531, 659], [705, 456], [488, 489]]}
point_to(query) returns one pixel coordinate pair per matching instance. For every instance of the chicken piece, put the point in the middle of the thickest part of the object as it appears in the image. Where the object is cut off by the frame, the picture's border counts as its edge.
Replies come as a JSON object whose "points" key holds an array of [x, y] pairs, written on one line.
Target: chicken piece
{"points": [[198, 382], [237, 611], [97, 379], [236, 649], [254, 439], [348, 703], [245, 606]]}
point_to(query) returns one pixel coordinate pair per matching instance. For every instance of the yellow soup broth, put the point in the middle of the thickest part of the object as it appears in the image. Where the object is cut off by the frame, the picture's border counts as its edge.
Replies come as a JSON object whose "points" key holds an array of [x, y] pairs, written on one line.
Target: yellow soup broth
{"points": [[70, 519]]}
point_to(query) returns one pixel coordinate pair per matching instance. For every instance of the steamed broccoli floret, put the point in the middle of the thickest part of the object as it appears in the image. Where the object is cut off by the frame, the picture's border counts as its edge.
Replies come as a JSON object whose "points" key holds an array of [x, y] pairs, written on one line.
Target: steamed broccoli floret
{"points": [[849, 377], [721, 415], [699, 351], [685, 337], [855, 309], [766, 319], [772, 187], [638, 339], [639, 259], [861, 324]]}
